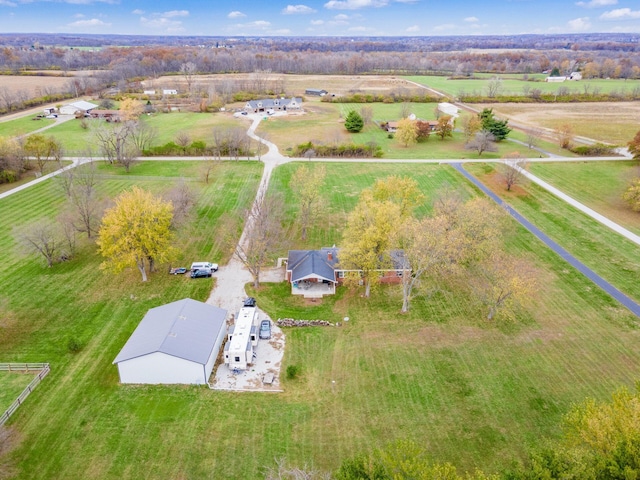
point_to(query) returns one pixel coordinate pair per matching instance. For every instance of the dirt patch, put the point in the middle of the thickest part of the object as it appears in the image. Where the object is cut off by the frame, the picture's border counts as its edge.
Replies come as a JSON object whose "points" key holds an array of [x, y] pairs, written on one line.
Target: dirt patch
{"points": [[616, 121], [31, 85]]}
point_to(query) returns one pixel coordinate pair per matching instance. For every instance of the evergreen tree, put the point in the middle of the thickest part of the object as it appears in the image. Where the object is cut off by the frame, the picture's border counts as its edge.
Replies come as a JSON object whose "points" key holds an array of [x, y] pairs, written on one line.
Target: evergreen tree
{"points": [[354, 122], [498, 128]]}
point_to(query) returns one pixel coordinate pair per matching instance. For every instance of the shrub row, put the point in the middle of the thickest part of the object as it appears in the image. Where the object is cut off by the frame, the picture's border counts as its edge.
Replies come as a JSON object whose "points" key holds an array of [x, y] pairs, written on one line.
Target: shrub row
{"points": [[290, 322], [553, 98], [34, 102], [596, 150], [197, 148], [380, 98], [345, 151]]}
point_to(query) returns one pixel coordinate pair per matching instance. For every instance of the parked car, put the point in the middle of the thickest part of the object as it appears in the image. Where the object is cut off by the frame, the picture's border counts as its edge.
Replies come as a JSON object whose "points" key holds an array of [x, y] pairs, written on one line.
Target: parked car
{"points": [[198, 265], [201, 273], [178, 271], [265, 330], [249, 302], [53, 115]]}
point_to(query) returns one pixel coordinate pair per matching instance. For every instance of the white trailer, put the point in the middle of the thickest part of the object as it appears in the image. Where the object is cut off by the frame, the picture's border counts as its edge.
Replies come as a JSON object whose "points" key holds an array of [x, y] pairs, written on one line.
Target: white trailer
{"points": [[242, 337]]}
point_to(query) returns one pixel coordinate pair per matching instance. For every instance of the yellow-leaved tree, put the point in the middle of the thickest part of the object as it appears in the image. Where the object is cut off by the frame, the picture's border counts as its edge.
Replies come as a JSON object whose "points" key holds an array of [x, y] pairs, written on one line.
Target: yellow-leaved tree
{"points": [[136, 232], [372, 228]]}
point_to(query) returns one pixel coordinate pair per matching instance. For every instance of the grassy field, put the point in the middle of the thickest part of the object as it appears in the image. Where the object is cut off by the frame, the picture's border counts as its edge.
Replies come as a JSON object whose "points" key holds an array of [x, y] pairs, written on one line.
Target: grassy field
{"points": [[617, 122], [607, 253], [514, 84], [473, 393], [324, 124], [199, 126], [20, 126], [598, 185], [11, 385]]}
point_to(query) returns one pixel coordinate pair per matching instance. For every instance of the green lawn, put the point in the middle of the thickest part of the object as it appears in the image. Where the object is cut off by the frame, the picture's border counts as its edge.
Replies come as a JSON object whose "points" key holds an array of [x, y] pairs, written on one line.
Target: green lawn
{"points": [[20, 126], [324, 124], [598, 185], [473, 393], [11, 386], [514, 84], [607, 253], [199, 126]]}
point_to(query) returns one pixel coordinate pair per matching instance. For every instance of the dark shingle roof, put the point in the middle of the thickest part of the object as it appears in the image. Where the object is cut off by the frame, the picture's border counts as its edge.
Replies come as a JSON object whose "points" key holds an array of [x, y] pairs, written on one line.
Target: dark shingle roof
{"points": [[320, 263], [185, 329]]}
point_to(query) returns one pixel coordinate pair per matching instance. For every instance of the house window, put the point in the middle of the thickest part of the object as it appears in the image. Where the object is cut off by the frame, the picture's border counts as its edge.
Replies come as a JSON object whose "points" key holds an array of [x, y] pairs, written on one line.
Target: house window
{"points": [[236, 359], [341, 274]]}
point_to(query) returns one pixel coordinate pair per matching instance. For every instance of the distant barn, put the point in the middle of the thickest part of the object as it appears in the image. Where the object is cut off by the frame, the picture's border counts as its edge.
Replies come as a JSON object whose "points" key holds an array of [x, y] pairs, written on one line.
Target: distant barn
{"points": [[315, 91]]}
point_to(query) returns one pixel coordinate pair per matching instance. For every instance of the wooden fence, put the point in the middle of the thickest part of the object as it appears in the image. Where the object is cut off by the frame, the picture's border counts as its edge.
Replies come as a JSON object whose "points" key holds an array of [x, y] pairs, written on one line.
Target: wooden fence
{"points": [[41, 368]]}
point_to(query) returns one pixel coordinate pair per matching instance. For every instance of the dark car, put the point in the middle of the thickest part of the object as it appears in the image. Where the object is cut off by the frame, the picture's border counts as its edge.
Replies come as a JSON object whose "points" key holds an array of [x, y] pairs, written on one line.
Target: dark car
{"points": [[249, 302], [178, 271], [202, 273], [265, 329]]}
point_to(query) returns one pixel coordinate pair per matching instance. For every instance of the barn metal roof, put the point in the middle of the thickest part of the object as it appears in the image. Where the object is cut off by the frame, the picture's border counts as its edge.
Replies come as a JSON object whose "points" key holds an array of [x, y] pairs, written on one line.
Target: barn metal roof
{"points": [[185, 329]]}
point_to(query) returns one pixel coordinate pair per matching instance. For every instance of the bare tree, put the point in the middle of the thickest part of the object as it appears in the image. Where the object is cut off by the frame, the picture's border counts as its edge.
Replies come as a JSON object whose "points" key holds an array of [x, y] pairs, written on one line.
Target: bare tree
{"points": [[494, 87], [188, 69], [366, 112], [183, 139], [84, 198], [208, 168], [42, 237], [116, 143], [511, 169], [405, 109], [143, 135], [483, 141], [183, 198], [262, 235], [533, 136], [565, 135]]}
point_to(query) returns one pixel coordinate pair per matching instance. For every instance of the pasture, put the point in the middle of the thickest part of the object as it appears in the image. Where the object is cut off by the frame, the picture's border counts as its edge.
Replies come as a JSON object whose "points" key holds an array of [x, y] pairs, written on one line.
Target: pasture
{"points": [[517, 84], [23, 125], [615, 123], [474, 393], [11, 385], [599, 185]]}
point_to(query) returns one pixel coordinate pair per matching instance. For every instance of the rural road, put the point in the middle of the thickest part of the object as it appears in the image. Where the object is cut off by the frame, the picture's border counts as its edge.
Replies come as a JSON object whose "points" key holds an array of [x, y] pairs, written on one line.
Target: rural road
{"points": [[570, 259]]}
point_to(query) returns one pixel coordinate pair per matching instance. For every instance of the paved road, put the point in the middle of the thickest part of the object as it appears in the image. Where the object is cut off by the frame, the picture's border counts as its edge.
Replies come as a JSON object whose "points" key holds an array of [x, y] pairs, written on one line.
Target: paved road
{"points": [[574, 262]]}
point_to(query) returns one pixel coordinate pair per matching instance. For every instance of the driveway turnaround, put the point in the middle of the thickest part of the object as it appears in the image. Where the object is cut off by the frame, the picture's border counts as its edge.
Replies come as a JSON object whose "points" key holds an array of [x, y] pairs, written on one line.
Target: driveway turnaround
{"points": [[574, 262]]}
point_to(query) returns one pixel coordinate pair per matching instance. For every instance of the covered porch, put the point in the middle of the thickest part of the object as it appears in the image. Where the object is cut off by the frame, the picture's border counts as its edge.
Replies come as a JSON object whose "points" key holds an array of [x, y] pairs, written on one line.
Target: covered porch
{"points": [[313, 287]]}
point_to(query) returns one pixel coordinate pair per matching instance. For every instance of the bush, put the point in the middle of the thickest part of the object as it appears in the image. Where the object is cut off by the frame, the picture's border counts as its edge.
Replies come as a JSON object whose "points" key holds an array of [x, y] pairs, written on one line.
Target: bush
{"points": [[347, 151], [292, 371], [595, 150], [74, 345]]}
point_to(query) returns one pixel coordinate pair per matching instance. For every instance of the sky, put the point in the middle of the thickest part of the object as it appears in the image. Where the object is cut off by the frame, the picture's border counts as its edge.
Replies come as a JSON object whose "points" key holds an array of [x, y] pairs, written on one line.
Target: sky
{"points": [[319, 17]]}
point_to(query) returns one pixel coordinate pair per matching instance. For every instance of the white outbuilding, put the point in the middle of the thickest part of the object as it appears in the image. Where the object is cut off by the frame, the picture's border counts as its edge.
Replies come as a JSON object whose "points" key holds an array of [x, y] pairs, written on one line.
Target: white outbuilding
{"points": [[177, 343], [80, 106]]}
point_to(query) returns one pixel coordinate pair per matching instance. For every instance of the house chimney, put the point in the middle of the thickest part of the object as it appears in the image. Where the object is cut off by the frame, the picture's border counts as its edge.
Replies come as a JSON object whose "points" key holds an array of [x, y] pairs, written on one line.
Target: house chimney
{"points": [[330, 256]]}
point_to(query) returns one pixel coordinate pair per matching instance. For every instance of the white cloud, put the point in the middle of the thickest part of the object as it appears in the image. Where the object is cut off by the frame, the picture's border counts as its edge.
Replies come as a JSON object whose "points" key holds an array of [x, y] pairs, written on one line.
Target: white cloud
{"points": [[89, 2], [257, 24], [317, 22], [597, 3], [358, 29], [445, 27], [413, 29], [620, 14], [94, 22], [6, 3], [297, 10], [579, 24], [341, 17], [281, 31], [471, 19], [236, 14], [175, 13], [137, 11], [354, 4], [162, 23], [78, 15]]}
